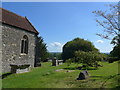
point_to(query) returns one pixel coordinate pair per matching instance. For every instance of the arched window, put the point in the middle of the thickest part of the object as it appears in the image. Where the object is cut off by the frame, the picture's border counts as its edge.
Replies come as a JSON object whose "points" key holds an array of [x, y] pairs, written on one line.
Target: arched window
{"points": [[24, 45]]}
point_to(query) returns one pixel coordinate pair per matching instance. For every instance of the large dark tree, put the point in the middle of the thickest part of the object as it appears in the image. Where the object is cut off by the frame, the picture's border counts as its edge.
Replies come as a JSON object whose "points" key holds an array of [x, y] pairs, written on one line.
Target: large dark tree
{"points": [[116, 51], [41, 50], [76, 45]]}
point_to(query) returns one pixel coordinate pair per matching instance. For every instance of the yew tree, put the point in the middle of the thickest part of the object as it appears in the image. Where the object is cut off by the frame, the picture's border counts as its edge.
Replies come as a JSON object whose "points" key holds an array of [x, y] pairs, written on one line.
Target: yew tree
{"points": [[77, 44]]}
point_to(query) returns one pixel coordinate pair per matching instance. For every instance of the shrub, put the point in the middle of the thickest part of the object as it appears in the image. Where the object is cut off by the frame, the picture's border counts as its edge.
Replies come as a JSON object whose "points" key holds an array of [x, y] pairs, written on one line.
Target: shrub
{"points": [[112, 59], [69, 61], [89, 58]]}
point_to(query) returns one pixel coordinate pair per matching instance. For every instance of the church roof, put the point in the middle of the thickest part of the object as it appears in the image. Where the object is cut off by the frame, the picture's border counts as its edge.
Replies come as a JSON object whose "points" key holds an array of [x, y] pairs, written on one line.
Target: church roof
{"points": [[15, 20]]}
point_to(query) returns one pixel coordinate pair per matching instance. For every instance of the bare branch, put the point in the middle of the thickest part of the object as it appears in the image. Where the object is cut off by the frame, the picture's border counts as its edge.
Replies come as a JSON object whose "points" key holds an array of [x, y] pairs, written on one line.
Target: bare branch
{"points": [[109, 21]]}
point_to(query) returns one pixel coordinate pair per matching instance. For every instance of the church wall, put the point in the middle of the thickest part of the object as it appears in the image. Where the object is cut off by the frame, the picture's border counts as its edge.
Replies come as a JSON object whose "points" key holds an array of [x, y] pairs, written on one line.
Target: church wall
{"points": [[11, 47]]}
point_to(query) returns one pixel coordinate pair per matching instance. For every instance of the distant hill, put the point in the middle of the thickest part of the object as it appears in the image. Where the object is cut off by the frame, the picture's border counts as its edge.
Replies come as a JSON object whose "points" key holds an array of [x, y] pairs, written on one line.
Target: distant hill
{"points": [[55, 52], [105, 52]]}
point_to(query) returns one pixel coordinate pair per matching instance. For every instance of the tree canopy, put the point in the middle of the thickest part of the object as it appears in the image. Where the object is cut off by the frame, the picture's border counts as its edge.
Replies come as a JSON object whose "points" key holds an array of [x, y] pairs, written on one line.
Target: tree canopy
{"points": [[116, 51], [77, 44]]}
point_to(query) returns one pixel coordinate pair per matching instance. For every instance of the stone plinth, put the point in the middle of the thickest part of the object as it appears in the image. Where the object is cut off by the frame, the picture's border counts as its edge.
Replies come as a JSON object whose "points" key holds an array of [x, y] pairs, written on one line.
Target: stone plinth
{"points": [[60, 62]]}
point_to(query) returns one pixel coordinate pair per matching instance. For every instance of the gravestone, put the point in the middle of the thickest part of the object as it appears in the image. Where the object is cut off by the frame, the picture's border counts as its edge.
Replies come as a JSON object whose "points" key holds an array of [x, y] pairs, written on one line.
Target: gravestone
{"points": [[83, 75], [54, 62], [60, 62]]}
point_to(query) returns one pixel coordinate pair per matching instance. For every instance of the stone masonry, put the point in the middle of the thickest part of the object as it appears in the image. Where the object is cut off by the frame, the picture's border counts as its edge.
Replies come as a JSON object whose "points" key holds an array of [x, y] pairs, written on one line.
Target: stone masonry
{"points": [[0, 49], [11, 47]]}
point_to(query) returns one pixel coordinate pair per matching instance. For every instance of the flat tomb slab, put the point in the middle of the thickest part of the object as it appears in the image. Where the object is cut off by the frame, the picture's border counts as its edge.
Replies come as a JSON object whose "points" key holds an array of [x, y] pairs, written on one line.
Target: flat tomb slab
{"points": [[19, 68]]}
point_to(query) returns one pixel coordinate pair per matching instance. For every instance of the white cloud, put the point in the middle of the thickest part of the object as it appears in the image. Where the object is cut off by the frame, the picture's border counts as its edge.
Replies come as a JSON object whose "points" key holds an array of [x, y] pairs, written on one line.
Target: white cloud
{"points": [[56, 44], [100, 41], [55, 47]]}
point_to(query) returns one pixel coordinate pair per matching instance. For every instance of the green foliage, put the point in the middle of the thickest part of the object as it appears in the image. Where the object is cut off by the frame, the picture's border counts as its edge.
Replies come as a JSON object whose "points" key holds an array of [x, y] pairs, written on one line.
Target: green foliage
{"points": [[69, 61], [116, 40], [42, 52], [89, 58], [112, 59], [75, 45], [116, 51], [55, 54]]}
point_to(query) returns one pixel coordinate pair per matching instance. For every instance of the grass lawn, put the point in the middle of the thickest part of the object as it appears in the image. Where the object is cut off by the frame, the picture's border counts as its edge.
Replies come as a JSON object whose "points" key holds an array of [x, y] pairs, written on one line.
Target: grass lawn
{"points": [[47, 77]]}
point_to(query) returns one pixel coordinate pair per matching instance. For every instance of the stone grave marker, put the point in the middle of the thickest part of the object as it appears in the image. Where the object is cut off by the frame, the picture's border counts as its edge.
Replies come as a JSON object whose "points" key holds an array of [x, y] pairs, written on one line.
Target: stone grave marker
{"points": [[54, 62], [83, 75]]}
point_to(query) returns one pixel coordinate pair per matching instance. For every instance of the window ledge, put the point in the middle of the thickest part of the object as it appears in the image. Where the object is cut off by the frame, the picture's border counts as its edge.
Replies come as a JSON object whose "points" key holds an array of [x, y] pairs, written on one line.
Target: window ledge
{"points": [[23, 54]]}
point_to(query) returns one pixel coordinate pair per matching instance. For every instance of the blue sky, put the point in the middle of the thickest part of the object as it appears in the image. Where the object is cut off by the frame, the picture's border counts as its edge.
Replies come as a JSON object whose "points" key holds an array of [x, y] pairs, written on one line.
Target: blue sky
{"points": [[60, 22]]}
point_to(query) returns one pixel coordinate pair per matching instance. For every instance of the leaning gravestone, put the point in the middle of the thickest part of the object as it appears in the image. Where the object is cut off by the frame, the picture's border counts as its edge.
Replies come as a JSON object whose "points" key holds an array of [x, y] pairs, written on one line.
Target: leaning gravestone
{"points": [[54, 62], [83, 75]]}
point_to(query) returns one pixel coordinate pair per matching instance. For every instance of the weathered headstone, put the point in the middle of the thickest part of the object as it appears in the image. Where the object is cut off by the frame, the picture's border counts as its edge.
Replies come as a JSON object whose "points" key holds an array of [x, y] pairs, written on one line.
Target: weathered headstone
{"points": [[54, 62], [83, 75]]}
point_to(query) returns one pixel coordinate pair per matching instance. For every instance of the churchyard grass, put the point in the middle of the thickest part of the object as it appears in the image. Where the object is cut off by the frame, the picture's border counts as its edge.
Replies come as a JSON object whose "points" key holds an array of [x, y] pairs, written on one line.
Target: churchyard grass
{"points": [[0, 83], [65, 77]]}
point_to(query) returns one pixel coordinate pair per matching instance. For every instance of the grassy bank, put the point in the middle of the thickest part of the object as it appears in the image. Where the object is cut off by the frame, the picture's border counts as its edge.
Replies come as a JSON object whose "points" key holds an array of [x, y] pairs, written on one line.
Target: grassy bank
{"points": [[47, 77]]}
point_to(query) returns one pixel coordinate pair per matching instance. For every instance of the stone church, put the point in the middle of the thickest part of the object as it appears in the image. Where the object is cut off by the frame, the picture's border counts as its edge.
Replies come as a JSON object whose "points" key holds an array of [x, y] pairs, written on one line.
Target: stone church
{"points": [[19, 39]]}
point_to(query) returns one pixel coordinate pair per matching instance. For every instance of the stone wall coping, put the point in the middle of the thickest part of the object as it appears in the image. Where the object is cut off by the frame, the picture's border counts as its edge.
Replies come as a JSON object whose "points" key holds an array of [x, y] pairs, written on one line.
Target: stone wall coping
{"points": [[60, 60], [19, 64]]}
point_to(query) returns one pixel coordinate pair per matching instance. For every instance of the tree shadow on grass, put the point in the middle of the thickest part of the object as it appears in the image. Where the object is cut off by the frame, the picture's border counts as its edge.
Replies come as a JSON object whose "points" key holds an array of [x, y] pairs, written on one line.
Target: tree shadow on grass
{"points": [[70, 68], [78, 68], [116, 88], [5, 75], [89, 69]]}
